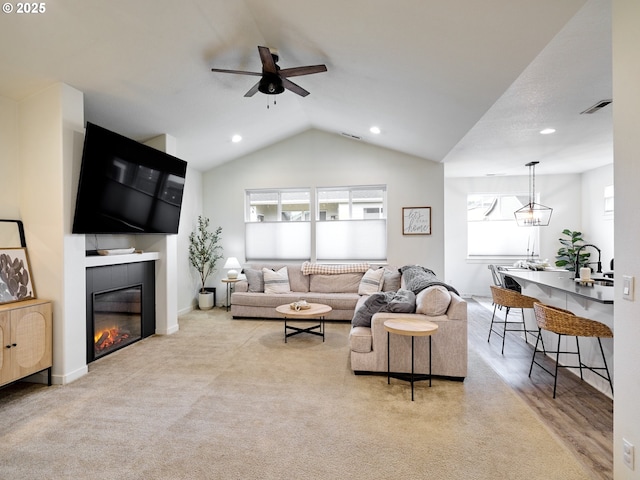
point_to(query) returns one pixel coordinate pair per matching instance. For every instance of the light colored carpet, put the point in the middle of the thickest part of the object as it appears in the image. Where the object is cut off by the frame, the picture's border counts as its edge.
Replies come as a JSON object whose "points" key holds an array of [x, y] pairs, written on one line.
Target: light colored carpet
{"points": [[228, 399]]}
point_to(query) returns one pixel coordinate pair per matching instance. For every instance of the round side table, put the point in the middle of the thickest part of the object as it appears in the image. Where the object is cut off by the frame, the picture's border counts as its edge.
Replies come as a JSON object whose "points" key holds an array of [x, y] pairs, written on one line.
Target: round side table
{"points": [[412, 327], [229, 282]]}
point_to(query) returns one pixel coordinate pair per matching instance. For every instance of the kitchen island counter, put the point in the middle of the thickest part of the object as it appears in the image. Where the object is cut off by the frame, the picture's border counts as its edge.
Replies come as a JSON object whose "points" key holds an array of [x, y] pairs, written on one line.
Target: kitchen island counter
{"points": [[559, 289], [563, 281]]}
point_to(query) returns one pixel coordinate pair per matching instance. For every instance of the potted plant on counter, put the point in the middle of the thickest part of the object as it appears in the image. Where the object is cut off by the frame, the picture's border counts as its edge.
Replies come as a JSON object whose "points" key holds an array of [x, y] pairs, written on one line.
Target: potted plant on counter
{"points": [[204, 252], [566, 257]]}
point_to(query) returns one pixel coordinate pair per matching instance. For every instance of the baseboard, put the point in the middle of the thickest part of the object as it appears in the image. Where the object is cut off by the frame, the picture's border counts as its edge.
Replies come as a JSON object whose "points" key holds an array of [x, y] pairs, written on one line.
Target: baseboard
{"points": [[69, 377]]}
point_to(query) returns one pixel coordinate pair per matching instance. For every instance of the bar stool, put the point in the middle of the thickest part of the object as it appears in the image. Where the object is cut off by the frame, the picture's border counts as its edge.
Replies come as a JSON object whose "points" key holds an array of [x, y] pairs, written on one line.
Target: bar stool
{"points": [[563, 322], [504, 297], [497, 280]]}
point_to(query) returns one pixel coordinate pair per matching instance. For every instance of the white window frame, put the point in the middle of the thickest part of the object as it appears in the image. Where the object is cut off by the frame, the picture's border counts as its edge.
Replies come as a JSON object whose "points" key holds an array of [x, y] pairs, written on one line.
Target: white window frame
{"points": [[362, 239], [496, 234], [276, 239]]}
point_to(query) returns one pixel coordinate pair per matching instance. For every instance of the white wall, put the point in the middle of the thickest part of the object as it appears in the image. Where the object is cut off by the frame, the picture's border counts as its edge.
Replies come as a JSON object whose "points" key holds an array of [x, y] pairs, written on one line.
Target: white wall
{"points": [[9, 167], [597, 226], [50, 124], [320, 159], [189, 282], [626, 122], [561, 192]]}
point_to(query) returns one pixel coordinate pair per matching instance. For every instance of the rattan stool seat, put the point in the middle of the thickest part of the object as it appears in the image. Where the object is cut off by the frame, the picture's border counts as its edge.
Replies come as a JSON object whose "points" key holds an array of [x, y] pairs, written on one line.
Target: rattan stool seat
{"points": [[504, 297], [564, 322]]}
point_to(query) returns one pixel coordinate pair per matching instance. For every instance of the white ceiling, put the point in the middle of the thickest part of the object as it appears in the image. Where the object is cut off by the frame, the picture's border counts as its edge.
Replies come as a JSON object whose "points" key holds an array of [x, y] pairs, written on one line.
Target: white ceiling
{"points": [[465, 82]]}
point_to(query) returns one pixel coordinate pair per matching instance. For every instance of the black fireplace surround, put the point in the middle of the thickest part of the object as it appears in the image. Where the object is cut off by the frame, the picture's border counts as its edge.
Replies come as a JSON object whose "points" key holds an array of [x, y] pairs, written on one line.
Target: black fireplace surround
{"points": [[129, 292]]}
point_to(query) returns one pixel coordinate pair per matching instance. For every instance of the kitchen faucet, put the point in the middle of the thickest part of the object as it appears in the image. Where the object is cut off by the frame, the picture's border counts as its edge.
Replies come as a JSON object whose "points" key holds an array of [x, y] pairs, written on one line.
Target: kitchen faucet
{"points": [[577, 272]]}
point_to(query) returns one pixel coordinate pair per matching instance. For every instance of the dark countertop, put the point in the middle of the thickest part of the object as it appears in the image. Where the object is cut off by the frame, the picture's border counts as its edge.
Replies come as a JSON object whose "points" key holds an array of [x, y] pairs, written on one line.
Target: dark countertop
{"points": [[563, 281]]}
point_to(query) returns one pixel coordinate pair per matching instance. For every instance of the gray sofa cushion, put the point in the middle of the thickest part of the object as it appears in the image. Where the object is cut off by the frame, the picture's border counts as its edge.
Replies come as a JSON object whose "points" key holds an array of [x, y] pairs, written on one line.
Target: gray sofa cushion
{"points": [[391, 279], [337, 301], [255, 279], [360, 339], [340, 283]]}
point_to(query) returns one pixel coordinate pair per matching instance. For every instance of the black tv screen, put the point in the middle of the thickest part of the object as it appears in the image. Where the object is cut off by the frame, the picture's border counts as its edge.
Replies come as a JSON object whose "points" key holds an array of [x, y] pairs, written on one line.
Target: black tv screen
{"points": [[127, 187]]}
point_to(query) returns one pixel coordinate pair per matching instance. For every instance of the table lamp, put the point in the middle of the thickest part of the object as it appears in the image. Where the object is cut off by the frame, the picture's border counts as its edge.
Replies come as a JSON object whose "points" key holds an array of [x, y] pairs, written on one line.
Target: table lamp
{"points": [[232, 264]]}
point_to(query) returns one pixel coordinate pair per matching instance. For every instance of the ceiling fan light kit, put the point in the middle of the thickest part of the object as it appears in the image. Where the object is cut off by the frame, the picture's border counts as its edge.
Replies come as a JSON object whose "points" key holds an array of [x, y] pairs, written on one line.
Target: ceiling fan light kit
{"points": [[270, 84], [275, 80]]}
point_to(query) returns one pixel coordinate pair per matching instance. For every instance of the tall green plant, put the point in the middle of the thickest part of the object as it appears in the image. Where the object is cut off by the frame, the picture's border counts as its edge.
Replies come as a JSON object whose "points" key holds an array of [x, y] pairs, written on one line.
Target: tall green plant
{"points": [[204, 249], [566, 256]]}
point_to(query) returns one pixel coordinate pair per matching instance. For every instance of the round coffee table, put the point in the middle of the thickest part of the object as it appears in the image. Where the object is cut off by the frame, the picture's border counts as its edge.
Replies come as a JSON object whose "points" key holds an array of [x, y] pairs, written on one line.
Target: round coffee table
{"points": [[316, 311], [413, 327]]}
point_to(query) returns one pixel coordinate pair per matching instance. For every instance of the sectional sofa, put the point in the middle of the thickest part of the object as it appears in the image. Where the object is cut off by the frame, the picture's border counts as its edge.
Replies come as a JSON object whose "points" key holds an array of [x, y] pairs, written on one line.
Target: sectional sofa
{"points": [[338, 289], [449, 343], [348, 289]]}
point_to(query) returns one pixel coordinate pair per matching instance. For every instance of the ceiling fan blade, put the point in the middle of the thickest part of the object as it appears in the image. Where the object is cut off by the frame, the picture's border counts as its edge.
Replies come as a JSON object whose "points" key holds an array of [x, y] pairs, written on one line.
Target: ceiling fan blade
{"points": [[289, 85], [297, 71], [253, 90], [268, 64], [239, 72]]}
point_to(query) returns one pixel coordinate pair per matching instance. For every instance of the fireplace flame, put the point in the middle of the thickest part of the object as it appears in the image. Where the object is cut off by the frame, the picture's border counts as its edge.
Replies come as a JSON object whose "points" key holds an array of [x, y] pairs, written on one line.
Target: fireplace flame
{"points": [[108, 337]]}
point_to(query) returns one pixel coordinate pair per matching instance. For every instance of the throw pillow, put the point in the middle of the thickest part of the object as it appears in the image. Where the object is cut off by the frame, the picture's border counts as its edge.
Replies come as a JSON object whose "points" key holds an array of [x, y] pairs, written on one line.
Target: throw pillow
{"points": [[276, 282], [404, 301], [255, 279], [371, 282], [391, 280], [433, 301]]}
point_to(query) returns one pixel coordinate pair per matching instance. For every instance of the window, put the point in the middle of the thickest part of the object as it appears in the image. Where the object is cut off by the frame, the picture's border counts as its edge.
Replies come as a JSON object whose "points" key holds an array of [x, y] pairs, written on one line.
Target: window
{"points": [[278, 205], [608, 200], [277, 224], [351, 223], [492, 230]]}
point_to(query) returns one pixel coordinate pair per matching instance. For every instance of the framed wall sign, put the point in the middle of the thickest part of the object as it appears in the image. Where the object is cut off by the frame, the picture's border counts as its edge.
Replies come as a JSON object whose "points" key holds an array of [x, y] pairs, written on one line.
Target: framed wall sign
{"points": [[15, 277], [416, 220]]}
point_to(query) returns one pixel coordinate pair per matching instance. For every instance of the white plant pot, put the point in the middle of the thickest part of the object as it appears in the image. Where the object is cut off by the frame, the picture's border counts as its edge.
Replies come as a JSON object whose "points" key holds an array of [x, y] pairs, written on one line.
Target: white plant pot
{"points": [[205, 300]]}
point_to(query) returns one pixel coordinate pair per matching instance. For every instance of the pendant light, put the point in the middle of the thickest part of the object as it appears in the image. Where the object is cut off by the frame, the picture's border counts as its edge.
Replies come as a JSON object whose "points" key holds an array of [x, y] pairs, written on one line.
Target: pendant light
{"points": [[533, 214]]}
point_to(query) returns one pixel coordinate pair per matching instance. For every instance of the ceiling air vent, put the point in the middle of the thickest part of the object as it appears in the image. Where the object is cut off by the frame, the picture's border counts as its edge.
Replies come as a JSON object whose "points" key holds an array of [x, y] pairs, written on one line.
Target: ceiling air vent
{"points": [[596, 107], [348, 135]]}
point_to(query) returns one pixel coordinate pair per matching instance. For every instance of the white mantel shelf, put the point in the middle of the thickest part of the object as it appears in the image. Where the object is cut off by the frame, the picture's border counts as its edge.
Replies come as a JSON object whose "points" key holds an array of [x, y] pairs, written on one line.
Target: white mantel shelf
{"points": [[103, 260]]}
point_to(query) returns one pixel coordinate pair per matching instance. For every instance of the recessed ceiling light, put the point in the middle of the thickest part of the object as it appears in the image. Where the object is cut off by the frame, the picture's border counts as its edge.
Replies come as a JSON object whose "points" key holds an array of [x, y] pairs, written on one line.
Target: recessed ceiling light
{"points": [[547, 131], [375, 130], [236, 138]]}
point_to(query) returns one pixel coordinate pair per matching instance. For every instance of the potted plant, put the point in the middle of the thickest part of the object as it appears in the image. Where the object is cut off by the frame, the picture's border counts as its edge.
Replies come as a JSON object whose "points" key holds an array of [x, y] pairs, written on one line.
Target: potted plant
{"points": [[204, 252], [566, 256]]}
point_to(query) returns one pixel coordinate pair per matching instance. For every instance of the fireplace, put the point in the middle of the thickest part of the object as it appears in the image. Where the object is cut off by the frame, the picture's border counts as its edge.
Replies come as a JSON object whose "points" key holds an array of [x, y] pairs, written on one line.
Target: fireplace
{"points": [[120, 307], [117, 319]]}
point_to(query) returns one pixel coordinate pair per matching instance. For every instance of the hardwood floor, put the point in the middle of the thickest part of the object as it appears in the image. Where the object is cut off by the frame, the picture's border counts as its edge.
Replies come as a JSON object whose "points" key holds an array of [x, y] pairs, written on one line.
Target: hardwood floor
{"points": [[580, 416]]}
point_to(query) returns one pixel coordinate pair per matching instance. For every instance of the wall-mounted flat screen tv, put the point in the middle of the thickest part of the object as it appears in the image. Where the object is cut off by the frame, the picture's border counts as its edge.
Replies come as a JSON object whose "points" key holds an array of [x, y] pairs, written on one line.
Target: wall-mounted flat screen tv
{"points": [[126, 187]]}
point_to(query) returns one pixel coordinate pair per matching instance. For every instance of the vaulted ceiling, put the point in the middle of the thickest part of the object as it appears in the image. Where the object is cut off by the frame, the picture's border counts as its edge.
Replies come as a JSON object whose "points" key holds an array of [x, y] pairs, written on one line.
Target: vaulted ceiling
{"points": [[463, 82]]}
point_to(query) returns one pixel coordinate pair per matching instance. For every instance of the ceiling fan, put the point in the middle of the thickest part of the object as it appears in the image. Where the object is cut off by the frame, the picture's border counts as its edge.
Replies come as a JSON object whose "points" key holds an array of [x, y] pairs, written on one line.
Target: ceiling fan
{"points": [[274, 79]]}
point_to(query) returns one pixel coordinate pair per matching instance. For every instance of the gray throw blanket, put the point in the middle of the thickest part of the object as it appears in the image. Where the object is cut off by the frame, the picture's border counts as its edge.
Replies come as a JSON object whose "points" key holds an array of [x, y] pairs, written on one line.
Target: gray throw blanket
{"points": [[402, 301], [417, 278]]}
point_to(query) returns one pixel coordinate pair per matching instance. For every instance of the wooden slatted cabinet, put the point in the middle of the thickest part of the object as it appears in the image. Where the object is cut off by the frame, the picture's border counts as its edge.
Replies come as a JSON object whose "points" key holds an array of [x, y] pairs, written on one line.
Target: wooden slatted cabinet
{"points": [[26, 339]]}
